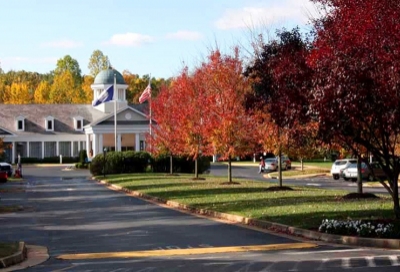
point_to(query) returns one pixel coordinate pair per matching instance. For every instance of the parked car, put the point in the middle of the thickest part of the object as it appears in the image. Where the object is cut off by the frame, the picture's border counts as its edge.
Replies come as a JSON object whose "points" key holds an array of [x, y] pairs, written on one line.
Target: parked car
{"points": [[287, 162], [6, 167], [272, 164], [350, 172], [3, 176], [339, 165]]}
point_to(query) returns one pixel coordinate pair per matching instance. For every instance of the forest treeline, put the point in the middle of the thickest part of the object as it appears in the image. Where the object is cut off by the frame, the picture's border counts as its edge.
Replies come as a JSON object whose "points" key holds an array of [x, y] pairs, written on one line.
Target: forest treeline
{"points": [[66, 84]]}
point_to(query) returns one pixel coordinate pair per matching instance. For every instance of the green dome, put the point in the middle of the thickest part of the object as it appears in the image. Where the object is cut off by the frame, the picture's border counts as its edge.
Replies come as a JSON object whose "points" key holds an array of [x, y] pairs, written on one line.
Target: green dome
{"points": [[107, 77]]}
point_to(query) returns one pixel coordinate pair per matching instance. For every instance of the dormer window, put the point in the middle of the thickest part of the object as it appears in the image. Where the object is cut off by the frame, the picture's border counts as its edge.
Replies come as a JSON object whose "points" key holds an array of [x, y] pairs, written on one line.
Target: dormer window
{"points": [[20, 123], [49, 123], [78, 123]]}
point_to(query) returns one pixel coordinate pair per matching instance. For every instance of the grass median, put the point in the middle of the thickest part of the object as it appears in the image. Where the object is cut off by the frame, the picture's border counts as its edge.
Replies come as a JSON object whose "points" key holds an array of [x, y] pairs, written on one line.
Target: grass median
{"points": [[302, 207]]}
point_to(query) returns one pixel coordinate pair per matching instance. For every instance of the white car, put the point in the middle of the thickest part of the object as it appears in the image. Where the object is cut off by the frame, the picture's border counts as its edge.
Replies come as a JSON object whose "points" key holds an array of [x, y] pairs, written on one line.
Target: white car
{"points": [[339, 165]]}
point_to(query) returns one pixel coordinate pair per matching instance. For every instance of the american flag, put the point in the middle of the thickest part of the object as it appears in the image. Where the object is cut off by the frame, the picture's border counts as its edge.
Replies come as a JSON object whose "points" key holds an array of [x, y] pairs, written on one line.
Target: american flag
{"points": [[145, 95]]}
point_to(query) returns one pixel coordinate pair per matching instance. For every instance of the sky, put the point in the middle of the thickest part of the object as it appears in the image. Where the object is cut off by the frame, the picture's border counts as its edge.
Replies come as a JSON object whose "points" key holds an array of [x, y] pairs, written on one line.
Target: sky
{"points": [[157, 37]]}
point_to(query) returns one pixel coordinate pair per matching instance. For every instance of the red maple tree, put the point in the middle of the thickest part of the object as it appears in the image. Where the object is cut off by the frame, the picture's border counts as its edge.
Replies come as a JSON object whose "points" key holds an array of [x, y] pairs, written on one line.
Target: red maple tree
{"points": [[230, 129], [163, 140], [356, 97]]}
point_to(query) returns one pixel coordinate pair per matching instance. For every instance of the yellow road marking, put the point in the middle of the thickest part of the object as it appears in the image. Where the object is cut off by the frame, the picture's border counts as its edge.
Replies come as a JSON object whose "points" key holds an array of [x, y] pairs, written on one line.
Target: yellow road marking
{"points": [[191, 251]]}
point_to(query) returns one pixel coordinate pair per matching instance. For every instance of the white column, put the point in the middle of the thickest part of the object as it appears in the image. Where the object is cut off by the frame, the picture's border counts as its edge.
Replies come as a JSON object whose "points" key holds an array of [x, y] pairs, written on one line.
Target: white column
{"points": [[57, 148], [101, 145], [13, 153], [72, 148], [118, 142], [42, 149], [28, 149], [95, 145], [88, 144], [137, 142]]}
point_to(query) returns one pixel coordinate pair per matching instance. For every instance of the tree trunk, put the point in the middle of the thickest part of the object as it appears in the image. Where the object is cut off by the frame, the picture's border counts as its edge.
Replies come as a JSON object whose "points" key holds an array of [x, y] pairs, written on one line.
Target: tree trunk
{"points": [[170, 165], [196, 171], [302, 164], [229, 169], [395, 196], [359, 176], [280, 167]]}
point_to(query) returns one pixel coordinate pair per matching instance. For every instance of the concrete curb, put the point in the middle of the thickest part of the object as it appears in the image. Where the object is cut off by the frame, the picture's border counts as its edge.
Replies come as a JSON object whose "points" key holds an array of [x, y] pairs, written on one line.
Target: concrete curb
{"points": [[280, 228], [16, 258]]}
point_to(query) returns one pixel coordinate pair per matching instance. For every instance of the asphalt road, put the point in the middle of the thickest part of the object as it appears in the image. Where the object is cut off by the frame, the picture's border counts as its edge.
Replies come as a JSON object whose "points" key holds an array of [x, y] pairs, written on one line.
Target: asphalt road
{"points": [[326, 182], [72, 215]]}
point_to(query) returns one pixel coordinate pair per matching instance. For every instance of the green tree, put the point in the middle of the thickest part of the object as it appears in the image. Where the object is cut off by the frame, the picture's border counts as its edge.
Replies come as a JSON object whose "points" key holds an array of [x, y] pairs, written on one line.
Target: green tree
{"points": [[72, 66], [97, 62]]}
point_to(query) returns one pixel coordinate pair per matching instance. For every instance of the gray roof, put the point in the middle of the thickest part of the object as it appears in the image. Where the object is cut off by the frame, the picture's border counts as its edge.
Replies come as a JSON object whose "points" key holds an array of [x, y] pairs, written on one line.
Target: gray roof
{"points": [[63, 115], [107, 77]]}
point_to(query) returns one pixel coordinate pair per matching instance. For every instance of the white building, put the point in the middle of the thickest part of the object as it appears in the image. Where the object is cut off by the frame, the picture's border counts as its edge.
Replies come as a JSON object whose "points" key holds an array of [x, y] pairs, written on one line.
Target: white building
{"points": [[51, 130]]}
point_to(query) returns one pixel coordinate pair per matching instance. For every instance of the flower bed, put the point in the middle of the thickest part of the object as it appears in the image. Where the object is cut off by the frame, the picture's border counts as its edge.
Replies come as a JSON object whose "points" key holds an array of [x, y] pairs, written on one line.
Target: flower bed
{"points": [[373, 229]]}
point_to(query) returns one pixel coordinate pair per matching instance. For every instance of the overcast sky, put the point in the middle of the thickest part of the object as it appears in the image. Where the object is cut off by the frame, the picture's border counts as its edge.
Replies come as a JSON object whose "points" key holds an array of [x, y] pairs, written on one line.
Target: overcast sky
{"points": [[142, 36]]}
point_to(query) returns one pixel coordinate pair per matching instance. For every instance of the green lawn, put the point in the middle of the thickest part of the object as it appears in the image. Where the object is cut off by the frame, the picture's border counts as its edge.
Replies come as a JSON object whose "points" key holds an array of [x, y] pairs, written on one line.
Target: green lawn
{"points": [[302, 207], [7, 249], [319, 164]]}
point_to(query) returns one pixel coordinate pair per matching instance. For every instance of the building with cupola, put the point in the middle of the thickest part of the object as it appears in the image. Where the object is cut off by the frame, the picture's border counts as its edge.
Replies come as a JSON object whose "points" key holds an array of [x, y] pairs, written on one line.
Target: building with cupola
{"points": [[50, 130]]}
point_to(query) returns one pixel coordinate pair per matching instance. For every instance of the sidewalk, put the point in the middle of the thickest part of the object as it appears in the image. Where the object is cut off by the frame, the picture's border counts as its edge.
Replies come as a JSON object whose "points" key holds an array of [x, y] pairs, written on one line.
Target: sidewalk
{"points": [[27, 256]]}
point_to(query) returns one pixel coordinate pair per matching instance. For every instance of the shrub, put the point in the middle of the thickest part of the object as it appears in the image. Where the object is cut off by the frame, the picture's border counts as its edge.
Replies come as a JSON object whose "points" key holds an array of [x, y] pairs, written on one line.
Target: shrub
{"points": [[120, 162], [81, 165], [83, 156], [180, 164]]}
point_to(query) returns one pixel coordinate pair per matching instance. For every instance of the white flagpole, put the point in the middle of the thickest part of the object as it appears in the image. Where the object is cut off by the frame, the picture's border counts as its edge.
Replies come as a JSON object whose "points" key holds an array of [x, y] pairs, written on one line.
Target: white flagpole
{"points": [[150, 102], [115, 113]]}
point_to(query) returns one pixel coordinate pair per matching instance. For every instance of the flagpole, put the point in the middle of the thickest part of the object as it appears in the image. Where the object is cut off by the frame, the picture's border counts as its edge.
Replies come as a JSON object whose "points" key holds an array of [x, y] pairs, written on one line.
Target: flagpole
{"points": [[150, 102], [115, 113]]}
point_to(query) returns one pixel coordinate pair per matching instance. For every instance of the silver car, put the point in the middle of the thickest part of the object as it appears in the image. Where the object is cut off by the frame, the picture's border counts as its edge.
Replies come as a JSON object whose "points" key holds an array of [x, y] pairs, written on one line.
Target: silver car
{"points": [[350, 172], [272, 164]]}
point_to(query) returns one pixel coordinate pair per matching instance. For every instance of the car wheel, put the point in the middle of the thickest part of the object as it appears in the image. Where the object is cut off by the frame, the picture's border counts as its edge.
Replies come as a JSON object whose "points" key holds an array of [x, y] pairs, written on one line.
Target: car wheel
{"points": [[335, 176], [353, 179]]}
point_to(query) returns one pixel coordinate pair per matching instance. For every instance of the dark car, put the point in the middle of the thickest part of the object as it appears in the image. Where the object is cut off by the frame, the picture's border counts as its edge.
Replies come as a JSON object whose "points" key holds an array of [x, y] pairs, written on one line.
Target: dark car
{"points": [[6, 167]]}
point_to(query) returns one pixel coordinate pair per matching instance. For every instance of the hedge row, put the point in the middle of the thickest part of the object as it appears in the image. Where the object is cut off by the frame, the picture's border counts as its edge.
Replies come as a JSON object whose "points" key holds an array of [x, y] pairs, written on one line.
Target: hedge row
{"points": [[140, 162]]}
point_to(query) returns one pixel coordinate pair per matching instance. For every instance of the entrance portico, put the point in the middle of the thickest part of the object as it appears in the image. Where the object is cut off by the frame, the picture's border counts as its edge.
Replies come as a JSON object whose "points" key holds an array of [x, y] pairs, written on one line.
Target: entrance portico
{"points": [[132, 127]]}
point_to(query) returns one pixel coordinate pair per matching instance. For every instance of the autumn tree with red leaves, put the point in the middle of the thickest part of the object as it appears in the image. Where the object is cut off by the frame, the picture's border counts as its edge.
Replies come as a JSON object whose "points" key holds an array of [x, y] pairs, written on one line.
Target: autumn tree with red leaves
{"points": [[230, 129], [163, 140], [282, 82], [356, 97], [192, 111]]}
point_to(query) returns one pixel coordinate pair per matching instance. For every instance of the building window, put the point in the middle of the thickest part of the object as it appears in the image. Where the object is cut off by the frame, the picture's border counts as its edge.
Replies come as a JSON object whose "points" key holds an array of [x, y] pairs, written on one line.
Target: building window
{"points": [[35, 150], [20, 123], [78, 123], [65, 149], [50, 149], [49, 123]]}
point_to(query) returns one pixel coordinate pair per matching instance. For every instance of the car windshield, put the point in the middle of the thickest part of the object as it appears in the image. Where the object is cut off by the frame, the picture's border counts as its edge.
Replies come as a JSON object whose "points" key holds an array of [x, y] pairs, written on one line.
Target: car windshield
{"points": [[270, 160]]}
